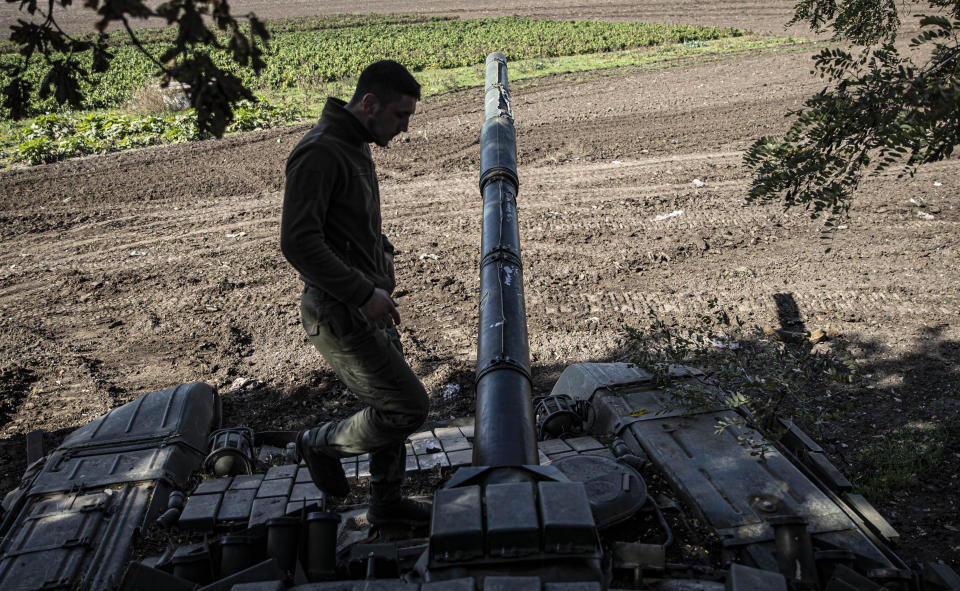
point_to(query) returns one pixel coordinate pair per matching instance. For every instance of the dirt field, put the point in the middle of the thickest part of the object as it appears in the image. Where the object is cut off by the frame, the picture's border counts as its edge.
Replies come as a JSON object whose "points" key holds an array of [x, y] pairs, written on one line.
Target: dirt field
{"points": [[130, 273], [753, 14]]}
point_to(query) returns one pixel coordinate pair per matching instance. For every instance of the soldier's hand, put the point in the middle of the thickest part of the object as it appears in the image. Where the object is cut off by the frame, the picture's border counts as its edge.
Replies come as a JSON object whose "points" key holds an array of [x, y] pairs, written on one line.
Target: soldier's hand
{"points": [[380, 310]]}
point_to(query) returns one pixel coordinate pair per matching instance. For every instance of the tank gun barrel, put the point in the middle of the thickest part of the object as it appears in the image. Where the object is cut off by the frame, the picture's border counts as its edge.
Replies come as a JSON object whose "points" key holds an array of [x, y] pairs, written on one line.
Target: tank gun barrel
{"points": [[504, 429]]}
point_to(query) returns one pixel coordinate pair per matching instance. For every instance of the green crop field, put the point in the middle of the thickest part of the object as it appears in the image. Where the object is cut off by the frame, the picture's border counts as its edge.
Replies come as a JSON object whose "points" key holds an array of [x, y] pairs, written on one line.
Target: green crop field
{"points": [[307, 59]]}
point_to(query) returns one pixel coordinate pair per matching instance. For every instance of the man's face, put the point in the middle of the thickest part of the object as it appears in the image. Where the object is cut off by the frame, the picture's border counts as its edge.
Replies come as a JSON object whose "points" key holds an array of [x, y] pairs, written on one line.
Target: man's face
{"points": [[389, 119]]}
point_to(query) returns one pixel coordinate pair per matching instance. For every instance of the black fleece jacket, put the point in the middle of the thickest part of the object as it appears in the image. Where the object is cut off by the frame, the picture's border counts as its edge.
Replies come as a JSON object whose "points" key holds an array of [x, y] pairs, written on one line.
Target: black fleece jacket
{"points": [[331, 229]]}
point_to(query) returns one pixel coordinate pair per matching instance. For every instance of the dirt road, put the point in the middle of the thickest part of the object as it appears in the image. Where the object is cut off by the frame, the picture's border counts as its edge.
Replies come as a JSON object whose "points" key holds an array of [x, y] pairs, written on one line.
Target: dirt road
{"points": [[129, 273]]}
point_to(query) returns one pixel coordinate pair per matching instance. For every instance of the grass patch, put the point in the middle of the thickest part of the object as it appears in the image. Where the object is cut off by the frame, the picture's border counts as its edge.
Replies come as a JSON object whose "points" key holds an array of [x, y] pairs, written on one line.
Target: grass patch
{"points": [[898, 460], [57, 136], [311, 54], [274, 26], [312, 58], [439, 81]]}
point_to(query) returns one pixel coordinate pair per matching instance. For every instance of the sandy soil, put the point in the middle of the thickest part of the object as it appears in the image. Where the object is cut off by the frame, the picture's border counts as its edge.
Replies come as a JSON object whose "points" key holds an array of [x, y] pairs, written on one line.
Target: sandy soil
{"points": [[129, 273]]}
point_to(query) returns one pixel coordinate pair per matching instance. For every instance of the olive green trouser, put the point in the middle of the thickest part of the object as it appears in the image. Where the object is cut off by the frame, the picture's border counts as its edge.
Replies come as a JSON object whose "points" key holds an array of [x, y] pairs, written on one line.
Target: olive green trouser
{"points": [[370, 362]]}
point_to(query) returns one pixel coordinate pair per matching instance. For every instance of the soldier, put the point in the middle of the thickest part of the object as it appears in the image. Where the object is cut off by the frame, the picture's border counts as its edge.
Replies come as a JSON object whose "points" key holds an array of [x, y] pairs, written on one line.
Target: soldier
{"points": [[331, 234]]}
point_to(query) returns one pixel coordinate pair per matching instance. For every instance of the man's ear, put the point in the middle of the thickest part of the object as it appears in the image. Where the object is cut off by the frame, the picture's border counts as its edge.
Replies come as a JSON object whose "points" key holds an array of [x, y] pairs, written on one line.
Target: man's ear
{"points": [[370, 104]]}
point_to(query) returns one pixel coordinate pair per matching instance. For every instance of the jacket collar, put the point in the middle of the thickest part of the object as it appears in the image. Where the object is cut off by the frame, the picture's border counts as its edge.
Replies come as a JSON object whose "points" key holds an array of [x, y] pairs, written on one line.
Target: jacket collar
{"points": [[340, 122]]}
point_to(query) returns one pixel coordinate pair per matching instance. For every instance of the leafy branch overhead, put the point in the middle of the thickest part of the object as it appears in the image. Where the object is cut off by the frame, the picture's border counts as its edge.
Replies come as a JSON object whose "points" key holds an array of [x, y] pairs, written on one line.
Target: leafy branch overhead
{"points": [[202, 25], [881, 108]]}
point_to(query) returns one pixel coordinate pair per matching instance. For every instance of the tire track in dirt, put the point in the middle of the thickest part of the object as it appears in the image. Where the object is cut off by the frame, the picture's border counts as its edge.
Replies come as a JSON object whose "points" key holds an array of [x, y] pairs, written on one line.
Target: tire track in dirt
{"points": [[711, 216]]}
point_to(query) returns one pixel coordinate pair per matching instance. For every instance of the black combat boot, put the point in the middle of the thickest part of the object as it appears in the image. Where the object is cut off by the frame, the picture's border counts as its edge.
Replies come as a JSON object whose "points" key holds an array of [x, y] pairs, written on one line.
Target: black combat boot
{"points": [[388, 506], [326, 471]]}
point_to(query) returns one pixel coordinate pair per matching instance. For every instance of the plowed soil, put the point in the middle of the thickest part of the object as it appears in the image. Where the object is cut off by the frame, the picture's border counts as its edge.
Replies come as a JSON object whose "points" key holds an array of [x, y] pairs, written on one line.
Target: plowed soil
{"points": [[124, 274]]}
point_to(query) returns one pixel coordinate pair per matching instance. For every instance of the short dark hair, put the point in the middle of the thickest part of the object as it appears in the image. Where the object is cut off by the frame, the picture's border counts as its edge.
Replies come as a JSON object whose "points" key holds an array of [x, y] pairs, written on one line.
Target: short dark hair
{"points": [[387, 80]]}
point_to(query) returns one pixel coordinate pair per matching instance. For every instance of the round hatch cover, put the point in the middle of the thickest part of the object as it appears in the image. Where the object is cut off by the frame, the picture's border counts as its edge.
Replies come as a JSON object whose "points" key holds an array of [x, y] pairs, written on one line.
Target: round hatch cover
{"points": [[615, 491]]}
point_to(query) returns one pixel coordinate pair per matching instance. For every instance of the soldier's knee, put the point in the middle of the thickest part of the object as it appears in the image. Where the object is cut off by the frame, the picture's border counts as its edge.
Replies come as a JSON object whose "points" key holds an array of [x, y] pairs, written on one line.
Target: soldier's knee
{"points": [[421, 404], [417, 408]]}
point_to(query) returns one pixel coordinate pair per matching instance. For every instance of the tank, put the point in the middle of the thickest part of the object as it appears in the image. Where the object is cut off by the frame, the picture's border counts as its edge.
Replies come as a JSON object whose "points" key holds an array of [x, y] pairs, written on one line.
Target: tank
{"points": [[576, 490]]}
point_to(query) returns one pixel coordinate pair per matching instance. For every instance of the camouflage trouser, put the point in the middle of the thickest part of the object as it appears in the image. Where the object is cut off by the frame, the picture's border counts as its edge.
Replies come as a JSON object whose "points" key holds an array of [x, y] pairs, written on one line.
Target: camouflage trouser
{"points": [[370, 362]]}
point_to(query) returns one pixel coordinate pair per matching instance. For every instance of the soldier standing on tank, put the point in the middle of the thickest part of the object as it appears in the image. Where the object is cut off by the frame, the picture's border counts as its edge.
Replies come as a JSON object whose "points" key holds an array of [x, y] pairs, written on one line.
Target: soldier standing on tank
{"points": [[331, 233]]}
